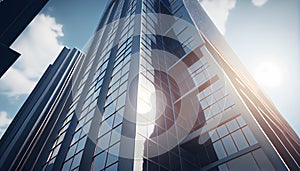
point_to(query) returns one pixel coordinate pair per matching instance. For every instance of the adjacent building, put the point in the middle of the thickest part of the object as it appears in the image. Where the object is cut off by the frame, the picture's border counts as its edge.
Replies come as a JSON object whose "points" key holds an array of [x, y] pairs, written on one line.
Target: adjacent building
{"points": [[15, 16], [158, 89]]}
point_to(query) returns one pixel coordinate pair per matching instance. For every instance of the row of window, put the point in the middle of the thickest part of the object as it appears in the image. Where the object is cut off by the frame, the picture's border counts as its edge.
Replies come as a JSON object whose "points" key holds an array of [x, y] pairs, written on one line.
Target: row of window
{"points": [[62, 132], [84, 118], [108, 144]]}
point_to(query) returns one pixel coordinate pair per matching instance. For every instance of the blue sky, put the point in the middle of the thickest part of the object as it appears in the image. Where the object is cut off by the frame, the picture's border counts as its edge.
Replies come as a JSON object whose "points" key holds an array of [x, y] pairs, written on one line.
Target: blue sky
{"points": [[261, 32]]}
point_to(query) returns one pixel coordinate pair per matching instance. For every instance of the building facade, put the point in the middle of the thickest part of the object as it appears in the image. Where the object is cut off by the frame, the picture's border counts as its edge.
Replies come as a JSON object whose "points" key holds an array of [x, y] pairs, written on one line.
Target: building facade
{"points": [[159, 89]]}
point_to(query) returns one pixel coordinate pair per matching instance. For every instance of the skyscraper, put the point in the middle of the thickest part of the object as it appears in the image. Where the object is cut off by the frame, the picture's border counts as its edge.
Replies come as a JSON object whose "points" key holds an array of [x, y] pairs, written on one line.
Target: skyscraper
{"points": [[159, 89]]}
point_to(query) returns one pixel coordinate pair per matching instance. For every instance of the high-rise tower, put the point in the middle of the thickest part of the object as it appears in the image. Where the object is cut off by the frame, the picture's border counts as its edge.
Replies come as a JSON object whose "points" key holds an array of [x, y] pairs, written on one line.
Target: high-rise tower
{"points": [[159, 89]]}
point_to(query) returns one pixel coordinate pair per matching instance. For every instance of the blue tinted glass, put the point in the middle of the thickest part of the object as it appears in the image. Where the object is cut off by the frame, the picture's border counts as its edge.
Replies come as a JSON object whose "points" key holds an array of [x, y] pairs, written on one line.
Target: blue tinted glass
{"points": [[112, 167], [250, 137], [239, 140], [81, 144], [229, 145], [67, 165], [116, 134], [103, 142], [71, 151], [76, 160], [99, 161], [222, 130], [219, 149], [241, 121], [232, 125]]}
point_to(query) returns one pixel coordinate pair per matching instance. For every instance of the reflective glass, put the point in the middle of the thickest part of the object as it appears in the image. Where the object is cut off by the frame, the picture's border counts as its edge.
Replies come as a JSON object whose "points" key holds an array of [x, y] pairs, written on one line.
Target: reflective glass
{"points": [[232, 125], [222, 130], [241, 121], [67, 165], [103, 142], [76, 160], [250, 137], [81, 144], [219, 149], [112, 167], [71, 151], [116, 134], [229, 145], [99, 161], [239, 140]]}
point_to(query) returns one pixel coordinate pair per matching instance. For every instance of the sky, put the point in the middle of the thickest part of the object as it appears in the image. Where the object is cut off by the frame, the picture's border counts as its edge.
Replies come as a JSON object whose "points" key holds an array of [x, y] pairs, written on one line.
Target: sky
{"points": [[265, 34]]}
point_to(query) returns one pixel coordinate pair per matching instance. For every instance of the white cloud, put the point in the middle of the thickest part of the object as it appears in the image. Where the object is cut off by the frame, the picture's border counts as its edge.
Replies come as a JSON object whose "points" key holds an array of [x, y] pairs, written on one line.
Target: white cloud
{"points": [[16, 83], [4, 120], [39, 47], [259, 3], [218, 11]]}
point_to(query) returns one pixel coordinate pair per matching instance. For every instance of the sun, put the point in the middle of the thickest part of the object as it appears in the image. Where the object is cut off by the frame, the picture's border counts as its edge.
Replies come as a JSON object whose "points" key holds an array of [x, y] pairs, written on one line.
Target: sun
{"points": [[268, 74]]}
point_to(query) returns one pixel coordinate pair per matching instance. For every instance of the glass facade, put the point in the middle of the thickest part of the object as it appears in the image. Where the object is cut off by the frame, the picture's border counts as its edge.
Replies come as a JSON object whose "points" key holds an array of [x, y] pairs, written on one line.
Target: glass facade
{"points": [[154, 92]]}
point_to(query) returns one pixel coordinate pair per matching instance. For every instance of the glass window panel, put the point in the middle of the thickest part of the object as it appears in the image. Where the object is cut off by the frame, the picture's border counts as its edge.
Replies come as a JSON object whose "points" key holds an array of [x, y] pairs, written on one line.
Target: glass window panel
{"points": [[81, 144], [124, 78], [110, 109], [239, 140], [61, 137], [80, 124], [76, 160], [250, 137], [116, 134], [52, 161], [77, 169], [103, 142], [228, 102], [68, 118], [99, 161], [83, 113], [67, 165], [214, 109], [118, 117], [71, 151], [55, 151], [99, 84], [229, 145], [112, 167], [222, 130], [125, 68], [113, 154], [210, 99], [219, 149], [232, 125], [76, 136], [219, 94], [115, 149], [86, 128], [241, 121], [122, 88], [109, 122], [203, 103], [213, 135], [104, 129], [121, 100], [94, 103], [90, 115]]}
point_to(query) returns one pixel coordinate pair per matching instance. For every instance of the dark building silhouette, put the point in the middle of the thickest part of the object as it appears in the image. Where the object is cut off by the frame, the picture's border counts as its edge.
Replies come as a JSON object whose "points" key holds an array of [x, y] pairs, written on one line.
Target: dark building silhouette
{"points": [[158, 89], [15, 16]]}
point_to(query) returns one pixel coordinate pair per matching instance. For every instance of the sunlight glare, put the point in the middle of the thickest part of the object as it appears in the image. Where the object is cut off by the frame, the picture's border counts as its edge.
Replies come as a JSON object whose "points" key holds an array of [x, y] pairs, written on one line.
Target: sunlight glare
{"points": [[268, 74]]}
